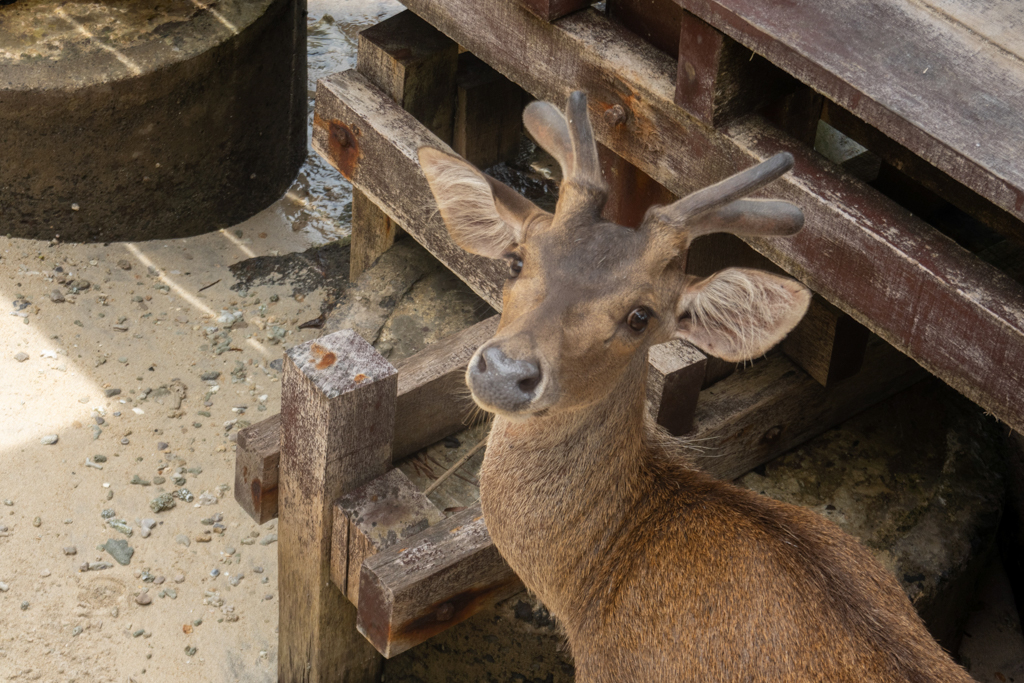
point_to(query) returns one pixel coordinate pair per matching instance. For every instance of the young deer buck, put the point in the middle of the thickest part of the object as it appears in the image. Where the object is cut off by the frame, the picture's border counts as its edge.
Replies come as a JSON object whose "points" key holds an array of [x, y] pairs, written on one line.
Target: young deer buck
{"points": [[656, 571]]}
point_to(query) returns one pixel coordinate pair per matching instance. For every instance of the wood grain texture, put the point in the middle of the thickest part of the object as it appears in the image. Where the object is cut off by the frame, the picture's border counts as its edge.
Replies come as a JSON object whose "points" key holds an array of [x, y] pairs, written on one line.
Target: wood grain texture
{"points": [[437, 579], [257, 455], [377, 515], [415, 65], [550, 10], [673, 384], [373, 143], [488, 114], [923, 77], [373, 233], [630, 191], [773, 406], [433, 400], [827, 344], [955, 315], [338, 403], [719, 79], [656, 21], [923, 172]]}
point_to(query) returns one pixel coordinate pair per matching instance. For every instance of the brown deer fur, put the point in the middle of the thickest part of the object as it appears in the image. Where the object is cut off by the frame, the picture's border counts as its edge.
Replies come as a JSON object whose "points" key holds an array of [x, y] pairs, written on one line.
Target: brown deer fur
{"points": [[655, 571]]}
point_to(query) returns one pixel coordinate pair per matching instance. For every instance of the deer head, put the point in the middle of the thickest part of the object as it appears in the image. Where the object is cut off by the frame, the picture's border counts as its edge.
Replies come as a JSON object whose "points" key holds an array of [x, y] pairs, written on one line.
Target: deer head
{"points": [[586, 298]]}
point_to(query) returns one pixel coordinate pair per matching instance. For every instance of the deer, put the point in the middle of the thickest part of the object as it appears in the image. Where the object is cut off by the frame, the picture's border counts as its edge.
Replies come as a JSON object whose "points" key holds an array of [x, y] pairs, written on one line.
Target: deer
{"points": [[654, 570]]}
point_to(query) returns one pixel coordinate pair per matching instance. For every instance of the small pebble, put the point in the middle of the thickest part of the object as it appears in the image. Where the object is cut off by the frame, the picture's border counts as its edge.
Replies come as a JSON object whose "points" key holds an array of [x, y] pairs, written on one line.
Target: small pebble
{"points": [[24, 606], [119, 549], [49, 439], [138, 632], [258, 569], [148, 523], [215, 572], [269, 538], [190, 650], [158, 480], [38, 521], [144, 598], [180, 578], [75, 631], [4, 587], [144, 532], [99, 458], [44, 573], [111, 393], [21, 356], [70, 550], [183, 540], [234, 580], [159, 580], [161, 446]]}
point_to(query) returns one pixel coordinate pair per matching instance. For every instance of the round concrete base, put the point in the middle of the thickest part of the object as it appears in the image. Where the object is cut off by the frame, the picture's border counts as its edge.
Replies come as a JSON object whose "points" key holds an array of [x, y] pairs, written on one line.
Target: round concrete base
{"points": [[145, 119]]}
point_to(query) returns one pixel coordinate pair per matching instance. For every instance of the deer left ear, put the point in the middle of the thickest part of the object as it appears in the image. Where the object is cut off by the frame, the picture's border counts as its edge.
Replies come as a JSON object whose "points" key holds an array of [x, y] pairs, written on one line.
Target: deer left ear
{"points": [[484, 216], [740, 313]]}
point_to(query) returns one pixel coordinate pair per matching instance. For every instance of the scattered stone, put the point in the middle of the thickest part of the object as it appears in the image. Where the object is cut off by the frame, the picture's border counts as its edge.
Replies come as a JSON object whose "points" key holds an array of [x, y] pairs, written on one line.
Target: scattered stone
{"points": [[269, 538], [56, 297], [24, 605], [180, 578], [190, 650], [202, 539], [162, 446], [215, 572], [44, 573], [76, 631], [183, 540], [159, 580], [257, 570], [21, 356], [229, 551], [108, 513], [37, 522], [94, 566], [119, 549], [209, 376], [4, 587], [99, 458], [120, 525], [171, 593], [49, 439], [144, 532], [138, 632], [111, 393], [186, 629], [148, 523], [144, 598], [165, 501], [90, 463], [124, 264], [70, 550], [234, 580]]}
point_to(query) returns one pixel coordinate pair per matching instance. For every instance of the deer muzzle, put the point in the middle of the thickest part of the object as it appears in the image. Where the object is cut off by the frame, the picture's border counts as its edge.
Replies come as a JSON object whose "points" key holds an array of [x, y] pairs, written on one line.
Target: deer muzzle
{"points": [[500, 383]]}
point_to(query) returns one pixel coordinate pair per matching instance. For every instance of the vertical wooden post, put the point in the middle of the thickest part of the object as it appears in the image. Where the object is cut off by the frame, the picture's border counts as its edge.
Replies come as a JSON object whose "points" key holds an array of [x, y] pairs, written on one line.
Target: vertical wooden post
{"points": [[488, 113], [415, 64], [630, 191], [718, 79], [338, 412]]}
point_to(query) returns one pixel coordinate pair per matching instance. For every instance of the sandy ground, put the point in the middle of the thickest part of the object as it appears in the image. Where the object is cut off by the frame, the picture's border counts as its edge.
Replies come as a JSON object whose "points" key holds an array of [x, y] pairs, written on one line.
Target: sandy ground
{"points": [[154, 319]]}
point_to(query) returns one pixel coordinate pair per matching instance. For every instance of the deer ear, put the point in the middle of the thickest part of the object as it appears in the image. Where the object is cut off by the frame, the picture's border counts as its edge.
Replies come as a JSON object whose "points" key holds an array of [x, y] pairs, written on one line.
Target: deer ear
{"points": [[740, 313], [483, 215]]}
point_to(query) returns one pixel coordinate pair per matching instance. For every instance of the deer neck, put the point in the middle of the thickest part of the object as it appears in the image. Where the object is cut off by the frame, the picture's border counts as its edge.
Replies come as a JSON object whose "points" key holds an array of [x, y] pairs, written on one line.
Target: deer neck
{"points": [[555, 489]]}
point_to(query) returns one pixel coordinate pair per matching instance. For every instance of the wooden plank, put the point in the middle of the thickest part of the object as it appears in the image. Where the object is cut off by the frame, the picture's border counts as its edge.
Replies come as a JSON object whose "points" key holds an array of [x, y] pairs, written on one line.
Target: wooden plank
{"points": [[827, 344], [927, 81], [656, 21], [630, 191], [773, 406], [376, 516], [257, 455], [674, 383], [415, 65], [923, 172], [373, 233], [436, 580], [488, 114], [550, 10], [338, 403], [373, 143], [958, 317], [719, 79], [433, 400]]}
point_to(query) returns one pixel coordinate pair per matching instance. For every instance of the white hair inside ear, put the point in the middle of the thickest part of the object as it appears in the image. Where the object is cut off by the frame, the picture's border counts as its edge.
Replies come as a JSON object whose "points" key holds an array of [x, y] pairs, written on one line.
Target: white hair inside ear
{"points": [[739, 313]]}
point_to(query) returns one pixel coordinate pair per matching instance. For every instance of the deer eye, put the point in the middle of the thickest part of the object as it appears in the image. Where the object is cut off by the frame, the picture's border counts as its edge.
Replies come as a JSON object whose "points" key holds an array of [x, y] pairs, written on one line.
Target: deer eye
{"points": [[515, 266], [638, 319]]}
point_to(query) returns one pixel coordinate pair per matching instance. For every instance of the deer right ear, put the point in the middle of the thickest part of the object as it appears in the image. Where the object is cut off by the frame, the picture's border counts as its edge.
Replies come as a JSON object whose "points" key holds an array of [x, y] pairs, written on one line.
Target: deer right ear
{"points": [[484, 216]]}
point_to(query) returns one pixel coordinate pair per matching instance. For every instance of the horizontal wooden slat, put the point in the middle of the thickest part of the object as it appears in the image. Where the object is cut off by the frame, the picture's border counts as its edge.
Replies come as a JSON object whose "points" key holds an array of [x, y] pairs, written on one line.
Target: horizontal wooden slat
{"points": [[435, 580], [959, 318], [936, 87]]}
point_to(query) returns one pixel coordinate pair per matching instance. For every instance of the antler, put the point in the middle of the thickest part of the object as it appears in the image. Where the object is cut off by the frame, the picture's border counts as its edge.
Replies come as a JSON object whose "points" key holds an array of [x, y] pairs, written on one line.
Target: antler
{"points": [[570, 139]]}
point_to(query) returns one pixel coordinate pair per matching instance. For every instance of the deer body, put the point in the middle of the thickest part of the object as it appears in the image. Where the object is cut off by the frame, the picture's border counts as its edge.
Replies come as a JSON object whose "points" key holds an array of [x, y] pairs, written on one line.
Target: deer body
{"points": [[654, 570]]}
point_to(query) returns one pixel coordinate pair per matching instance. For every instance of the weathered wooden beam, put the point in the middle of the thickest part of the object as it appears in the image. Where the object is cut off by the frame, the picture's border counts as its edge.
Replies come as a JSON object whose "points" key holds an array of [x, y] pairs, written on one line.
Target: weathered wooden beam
{"points": [[827, 344], [656, 21], [338, 403], [371, 519], [718, 79], [415, 65], [955, 315], [674, 382], [432, 403], [257, 454], [432, 582], [550, 10], [488, 114], [630, 191]]}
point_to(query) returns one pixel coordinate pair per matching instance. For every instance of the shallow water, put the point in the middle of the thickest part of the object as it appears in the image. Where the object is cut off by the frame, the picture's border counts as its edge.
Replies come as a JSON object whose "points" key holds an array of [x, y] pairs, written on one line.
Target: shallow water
{"points": [[319, 202]]}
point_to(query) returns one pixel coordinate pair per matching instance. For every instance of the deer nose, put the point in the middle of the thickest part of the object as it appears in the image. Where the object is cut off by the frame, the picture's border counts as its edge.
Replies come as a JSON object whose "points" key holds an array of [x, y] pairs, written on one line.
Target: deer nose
{"points": [[501, 382]]}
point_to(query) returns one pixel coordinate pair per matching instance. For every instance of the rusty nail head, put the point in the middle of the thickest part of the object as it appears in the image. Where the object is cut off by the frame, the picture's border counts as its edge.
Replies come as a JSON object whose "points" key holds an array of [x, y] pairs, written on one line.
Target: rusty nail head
{"points": [[615, 115]]}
